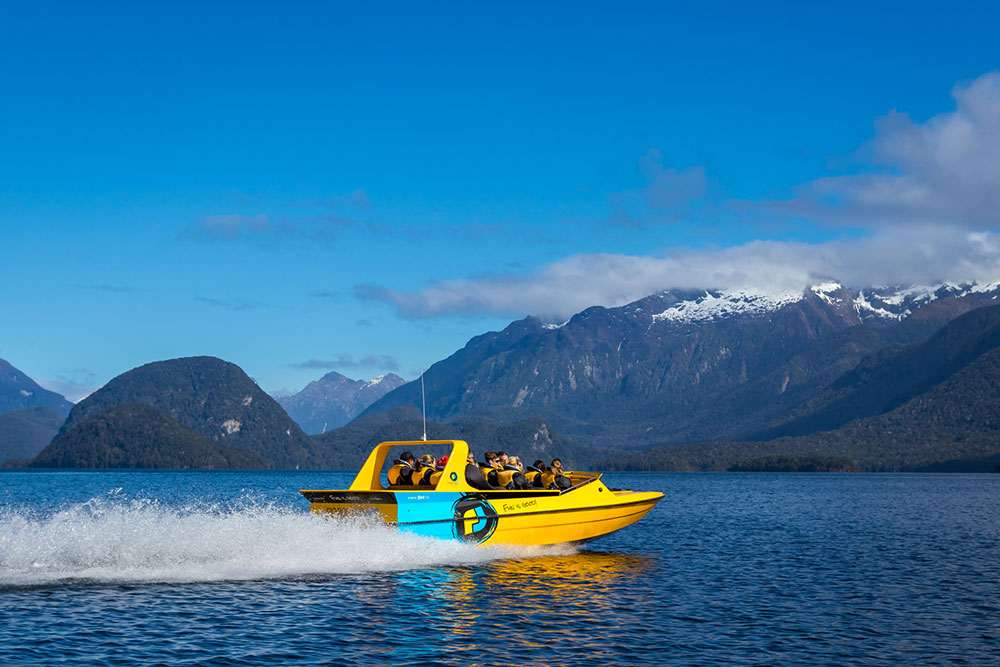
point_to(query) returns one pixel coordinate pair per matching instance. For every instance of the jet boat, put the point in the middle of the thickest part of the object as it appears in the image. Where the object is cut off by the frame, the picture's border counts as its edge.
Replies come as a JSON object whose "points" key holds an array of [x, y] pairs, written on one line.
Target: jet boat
{"points": [[452, 509]]}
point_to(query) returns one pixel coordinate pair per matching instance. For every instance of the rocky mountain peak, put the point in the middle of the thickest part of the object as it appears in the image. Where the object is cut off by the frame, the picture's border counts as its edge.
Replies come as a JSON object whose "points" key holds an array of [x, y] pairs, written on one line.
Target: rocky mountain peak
{"points": [[335, 400]]}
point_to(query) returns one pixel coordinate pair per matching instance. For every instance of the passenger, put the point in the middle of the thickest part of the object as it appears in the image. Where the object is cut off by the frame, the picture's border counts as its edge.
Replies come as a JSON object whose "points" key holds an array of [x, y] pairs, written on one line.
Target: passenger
{"points": [[422, 473], [547, 479], [438, 470], [490, 468], [553, 477], [474, 475], [533, 473], [512, 475], [561, 481], [401, 473], [502, 456]]}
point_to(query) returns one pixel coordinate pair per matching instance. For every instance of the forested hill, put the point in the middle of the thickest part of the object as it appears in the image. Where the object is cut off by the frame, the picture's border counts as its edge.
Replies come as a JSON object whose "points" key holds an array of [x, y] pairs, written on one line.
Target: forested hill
{"points": [[140, 436], [209, 396]]}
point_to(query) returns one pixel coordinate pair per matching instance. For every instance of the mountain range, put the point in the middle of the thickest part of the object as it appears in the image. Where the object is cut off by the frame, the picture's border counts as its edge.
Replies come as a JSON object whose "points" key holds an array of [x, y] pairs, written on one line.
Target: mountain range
{"points": [[681, 367], [335, 400], [827, 378]]}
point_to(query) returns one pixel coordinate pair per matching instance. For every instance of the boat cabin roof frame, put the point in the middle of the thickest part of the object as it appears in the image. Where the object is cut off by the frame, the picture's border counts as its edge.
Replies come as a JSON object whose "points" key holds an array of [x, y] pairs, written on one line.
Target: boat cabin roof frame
{"points": [[369, 478]]}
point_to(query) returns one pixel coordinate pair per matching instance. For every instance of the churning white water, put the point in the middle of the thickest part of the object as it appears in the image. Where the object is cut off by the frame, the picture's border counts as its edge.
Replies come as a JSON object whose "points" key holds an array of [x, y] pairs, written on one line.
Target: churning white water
{"points": [[128, 541]]}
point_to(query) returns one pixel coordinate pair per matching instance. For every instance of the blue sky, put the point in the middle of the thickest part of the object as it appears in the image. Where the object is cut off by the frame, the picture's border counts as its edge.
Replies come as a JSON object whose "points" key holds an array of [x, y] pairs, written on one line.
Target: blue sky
{"points": [[329, 187]]}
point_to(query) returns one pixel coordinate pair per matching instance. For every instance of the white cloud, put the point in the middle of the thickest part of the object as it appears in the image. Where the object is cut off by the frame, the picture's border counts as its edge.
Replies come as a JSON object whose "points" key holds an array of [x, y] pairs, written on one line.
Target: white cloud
{"points": [[943, 171], [928, 193], [924, 255]]}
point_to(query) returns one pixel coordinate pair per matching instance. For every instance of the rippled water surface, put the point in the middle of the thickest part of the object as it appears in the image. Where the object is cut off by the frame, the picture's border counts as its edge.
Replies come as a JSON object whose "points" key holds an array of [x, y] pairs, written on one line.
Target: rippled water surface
{"points": [[228, 568]]}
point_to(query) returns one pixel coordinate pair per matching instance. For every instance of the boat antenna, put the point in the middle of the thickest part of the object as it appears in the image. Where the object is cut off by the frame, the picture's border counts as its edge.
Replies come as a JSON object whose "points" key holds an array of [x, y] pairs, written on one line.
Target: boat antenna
{"points": [[423, 404]]}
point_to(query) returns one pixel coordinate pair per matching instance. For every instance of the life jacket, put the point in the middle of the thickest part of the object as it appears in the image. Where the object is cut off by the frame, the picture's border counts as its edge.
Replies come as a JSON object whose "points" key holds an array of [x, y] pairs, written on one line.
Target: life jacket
{"points": [[401, 474], [422, 475], [505, 477], [435, 476], [547, 479], [474, 477], [533, 475], [490, 473]]}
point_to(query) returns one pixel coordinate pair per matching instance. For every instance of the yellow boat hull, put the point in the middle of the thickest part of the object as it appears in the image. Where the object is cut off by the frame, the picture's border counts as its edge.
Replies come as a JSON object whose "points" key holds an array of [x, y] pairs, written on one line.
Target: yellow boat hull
{"points": [[454, 510]]}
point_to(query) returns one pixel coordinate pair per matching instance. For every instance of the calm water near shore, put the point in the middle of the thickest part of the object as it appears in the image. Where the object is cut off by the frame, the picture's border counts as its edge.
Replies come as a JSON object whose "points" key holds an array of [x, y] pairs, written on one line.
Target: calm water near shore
{"points": [[228, 568]]}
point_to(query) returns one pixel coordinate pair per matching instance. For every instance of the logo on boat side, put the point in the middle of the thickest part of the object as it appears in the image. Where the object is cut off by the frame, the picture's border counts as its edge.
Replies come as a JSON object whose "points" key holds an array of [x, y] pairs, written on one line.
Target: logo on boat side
{"points": [[475, 519]]}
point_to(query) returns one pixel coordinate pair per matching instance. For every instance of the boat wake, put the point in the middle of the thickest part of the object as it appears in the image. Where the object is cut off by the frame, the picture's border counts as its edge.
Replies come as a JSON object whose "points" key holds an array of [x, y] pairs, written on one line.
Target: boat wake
{"points": [[113, 540]]}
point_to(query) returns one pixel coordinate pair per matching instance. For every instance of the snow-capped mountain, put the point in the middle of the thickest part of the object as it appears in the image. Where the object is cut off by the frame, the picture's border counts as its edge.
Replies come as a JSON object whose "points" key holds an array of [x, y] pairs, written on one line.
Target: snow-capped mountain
{"points": [[891, 303], [684, 365], [334, 400]]}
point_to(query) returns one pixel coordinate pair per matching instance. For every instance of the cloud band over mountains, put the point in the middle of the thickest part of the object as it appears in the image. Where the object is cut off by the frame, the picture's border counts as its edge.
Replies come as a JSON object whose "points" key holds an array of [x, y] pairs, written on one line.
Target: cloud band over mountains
{"points": [[928, 256], [926, 201]]}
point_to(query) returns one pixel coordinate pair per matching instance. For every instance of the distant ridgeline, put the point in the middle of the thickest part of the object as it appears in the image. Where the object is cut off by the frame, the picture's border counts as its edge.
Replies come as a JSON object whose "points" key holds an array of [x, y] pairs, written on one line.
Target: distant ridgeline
{"points": [[20, 392], [24, 433], [29, 414], [334, 400], [830, 378], [795, 464]]}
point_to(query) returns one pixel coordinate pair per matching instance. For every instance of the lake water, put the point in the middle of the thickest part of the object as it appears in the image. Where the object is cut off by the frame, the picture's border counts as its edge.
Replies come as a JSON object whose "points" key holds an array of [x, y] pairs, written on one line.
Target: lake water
{"points": [[228, 568]]}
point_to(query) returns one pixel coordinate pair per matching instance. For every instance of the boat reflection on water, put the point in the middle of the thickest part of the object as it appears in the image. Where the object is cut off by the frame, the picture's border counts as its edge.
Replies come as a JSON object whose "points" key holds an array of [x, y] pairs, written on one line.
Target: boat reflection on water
{"points": [[533, 601]]}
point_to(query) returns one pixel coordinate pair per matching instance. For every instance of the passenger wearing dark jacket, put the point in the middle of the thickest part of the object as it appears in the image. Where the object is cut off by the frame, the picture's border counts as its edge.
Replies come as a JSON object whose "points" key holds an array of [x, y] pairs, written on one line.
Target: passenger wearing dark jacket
{"points": [[401, 473], [533, 473], [490, 468], [474, 476], [561, 481], [553, 478], [512, 477]]}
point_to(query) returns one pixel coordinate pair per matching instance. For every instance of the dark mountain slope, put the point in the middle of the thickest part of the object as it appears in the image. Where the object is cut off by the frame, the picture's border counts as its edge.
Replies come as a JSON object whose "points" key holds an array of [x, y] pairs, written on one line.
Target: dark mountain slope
{"points": [[212, 397], [139, 436], [446, 380], [26, 432], [896, 374], [18, 391], [954, 426]]}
